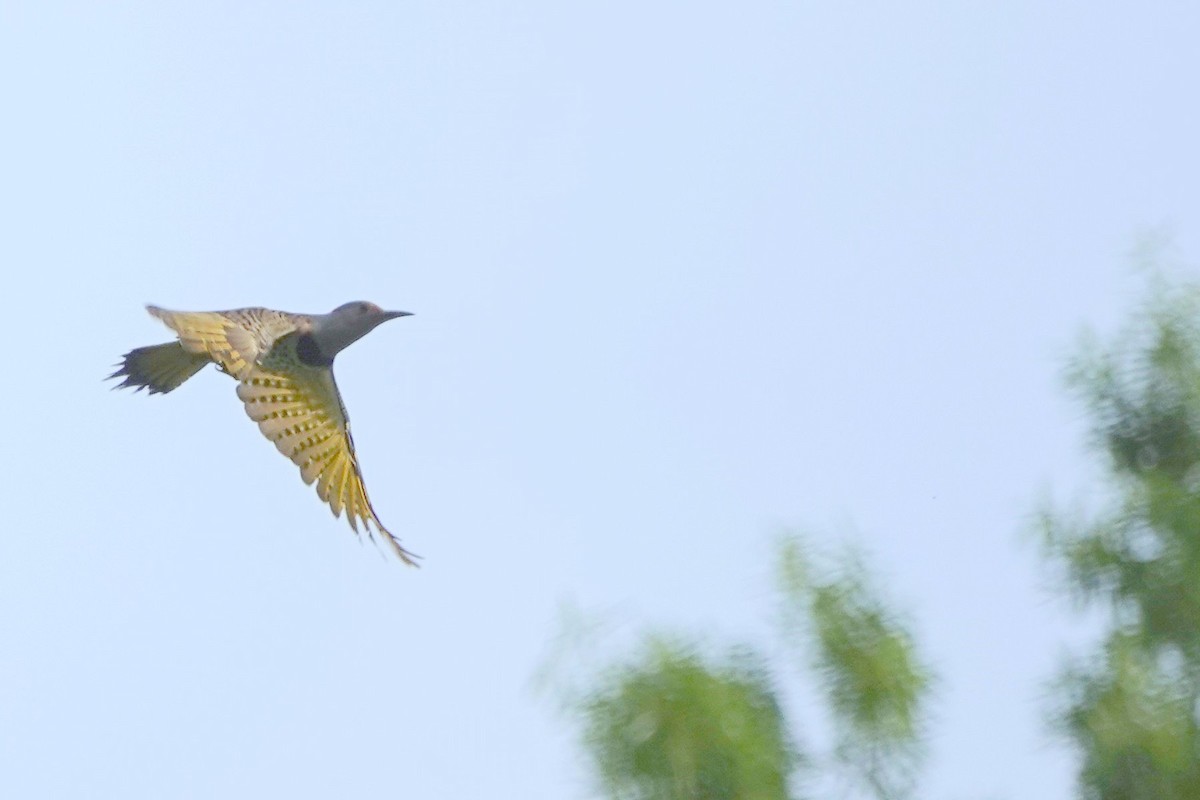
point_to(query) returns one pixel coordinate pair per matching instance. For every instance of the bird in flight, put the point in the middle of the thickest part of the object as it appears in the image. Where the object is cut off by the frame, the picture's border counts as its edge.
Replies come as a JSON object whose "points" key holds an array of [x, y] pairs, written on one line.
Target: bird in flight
{"points": [[283, 364]]}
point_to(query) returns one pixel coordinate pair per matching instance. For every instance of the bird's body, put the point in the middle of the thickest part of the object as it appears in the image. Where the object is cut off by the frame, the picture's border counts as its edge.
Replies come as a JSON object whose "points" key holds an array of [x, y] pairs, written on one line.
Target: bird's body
{"points": [[283, 364]]}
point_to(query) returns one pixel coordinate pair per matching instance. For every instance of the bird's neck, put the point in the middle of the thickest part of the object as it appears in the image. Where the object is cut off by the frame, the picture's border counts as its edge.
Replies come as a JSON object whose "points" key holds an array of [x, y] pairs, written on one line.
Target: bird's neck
{"points": [[333, 333]]}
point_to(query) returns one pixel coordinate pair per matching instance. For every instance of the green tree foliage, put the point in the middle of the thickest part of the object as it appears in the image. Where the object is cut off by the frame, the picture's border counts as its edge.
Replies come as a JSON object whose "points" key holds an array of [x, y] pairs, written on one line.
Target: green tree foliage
{"points": [[865, 656], [1131, 708], [674, 724], [1134, 720]]}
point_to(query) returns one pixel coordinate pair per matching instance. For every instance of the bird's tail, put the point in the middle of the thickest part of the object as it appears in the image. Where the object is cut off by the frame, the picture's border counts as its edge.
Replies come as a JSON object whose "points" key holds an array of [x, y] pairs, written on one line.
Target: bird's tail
{"points": [[159, 367]]}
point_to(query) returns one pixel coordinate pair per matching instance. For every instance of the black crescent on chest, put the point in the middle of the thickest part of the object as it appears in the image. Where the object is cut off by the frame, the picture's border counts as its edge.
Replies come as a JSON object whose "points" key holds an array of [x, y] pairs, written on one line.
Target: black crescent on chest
{"points": [[309, 352]]}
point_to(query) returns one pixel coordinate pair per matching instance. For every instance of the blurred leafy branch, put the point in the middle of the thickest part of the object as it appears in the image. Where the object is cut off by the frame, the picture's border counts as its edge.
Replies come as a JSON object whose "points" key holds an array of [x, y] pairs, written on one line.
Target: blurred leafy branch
{"points": [[867, 663]]}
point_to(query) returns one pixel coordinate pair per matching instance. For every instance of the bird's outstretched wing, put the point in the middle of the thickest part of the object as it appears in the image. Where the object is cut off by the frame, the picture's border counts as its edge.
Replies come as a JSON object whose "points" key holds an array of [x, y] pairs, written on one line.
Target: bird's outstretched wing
{"points": [[235, 340], [300, 410]]}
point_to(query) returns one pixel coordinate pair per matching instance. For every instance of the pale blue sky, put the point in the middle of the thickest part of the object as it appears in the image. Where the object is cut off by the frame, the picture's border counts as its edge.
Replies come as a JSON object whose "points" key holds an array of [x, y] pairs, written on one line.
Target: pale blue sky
{"points": [[684, 275]]}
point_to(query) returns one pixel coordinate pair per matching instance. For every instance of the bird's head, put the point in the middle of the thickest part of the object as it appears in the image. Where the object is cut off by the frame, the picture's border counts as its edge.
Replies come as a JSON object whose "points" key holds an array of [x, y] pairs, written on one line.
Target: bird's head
{"points": [[348, 323], [363, 311]]}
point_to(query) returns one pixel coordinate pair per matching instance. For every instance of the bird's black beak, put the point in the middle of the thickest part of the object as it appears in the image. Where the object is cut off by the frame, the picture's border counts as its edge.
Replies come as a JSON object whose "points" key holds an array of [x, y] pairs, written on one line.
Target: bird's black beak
{"points": [[395, 315]]}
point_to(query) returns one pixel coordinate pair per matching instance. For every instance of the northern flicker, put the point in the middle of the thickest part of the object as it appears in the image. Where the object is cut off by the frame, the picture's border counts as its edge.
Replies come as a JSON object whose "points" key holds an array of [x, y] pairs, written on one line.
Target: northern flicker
{"points": [[283, 364]]}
